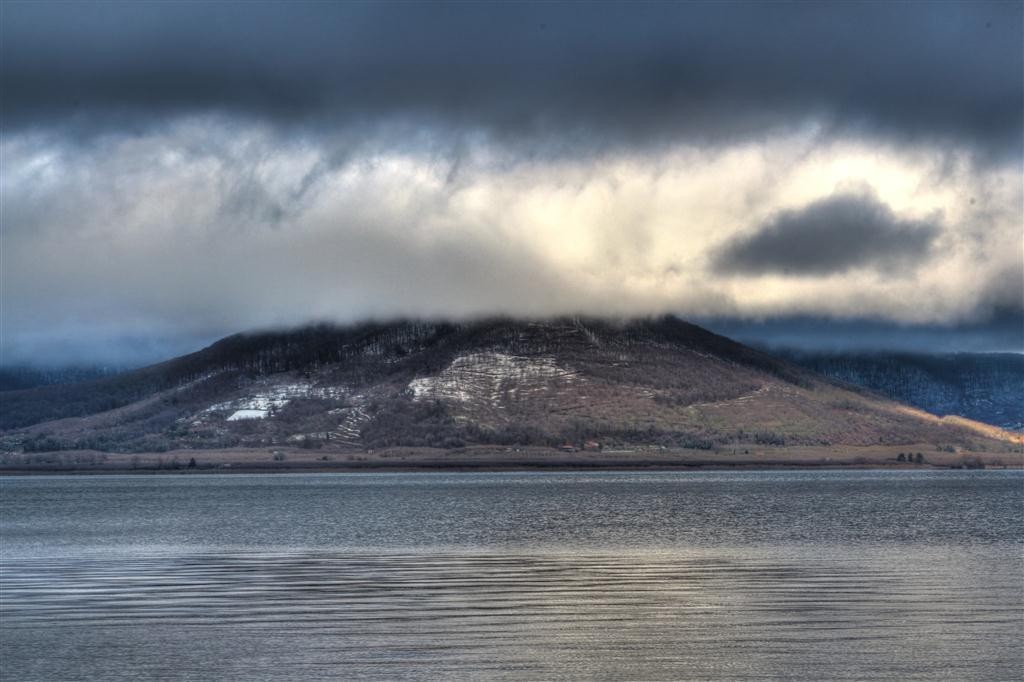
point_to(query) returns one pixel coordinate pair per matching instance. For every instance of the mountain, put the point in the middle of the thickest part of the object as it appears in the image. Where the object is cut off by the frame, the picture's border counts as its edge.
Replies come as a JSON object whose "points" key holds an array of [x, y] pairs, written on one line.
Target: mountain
{"points": [[571, 383], [987, 387]]}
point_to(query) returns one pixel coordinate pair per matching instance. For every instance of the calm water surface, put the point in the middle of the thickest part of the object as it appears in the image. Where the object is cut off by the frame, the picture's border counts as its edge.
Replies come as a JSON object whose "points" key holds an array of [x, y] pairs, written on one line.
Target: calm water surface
{"points": [[818, 575]]}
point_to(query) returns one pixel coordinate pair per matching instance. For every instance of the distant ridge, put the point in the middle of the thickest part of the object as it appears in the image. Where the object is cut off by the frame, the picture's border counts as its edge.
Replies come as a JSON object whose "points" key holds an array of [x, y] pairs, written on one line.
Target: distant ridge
{"points": [[987, 387]]}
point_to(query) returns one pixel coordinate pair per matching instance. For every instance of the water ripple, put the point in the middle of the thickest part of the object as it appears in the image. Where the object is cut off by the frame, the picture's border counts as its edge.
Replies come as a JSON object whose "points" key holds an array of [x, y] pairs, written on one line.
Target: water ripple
{"points": [[561, 615]]}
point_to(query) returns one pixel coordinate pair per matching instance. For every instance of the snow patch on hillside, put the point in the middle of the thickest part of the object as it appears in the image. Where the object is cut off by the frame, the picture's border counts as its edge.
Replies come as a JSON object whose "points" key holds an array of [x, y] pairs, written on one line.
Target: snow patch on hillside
{"points": [[198, 380], [247, 414], [348, 430], [269, 398], [489, 376]]}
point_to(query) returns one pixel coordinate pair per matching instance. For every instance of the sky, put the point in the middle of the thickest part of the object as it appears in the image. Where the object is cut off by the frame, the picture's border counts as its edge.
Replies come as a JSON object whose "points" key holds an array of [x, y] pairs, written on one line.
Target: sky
{"points": [[812, 174]]}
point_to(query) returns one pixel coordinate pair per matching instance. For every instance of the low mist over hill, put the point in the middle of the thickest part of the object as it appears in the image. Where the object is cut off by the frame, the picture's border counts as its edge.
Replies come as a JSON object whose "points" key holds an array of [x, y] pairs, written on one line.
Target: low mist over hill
{"points": [[567, 383], [18, 377]]}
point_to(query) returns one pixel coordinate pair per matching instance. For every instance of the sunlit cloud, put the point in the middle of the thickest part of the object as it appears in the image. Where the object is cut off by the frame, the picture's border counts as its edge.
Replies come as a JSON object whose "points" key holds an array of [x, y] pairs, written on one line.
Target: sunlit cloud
{"points": [[208, 226]]}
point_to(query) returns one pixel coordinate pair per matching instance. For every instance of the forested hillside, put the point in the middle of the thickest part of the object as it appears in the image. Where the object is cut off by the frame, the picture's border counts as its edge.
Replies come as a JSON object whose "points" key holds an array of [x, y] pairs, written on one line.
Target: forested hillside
{"points": [[988, 387]]}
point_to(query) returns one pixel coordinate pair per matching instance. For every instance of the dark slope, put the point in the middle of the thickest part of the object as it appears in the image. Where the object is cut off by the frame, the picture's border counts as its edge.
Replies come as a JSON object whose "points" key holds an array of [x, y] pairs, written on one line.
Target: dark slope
{"points": [[987, 387]]}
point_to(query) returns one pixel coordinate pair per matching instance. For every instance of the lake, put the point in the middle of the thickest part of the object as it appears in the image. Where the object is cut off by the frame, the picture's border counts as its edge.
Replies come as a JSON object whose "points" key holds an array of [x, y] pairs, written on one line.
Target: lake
{"points": [[793, 575]]}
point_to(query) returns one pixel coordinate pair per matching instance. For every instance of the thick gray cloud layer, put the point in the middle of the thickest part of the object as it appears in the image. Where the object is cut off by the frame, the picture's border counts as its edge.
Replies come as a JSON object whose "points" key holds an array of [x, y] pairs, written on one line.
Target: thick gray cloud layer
{"points": [[577, 76], [176, 171], [831, 236]]}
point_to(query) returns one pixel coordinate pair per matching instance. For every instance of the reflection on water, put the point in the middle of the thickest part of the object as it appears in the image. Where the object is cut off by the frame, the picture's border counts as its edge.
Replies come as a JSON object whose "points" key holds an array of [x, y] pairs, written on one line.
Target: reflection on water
{"points": [[563, 602]]}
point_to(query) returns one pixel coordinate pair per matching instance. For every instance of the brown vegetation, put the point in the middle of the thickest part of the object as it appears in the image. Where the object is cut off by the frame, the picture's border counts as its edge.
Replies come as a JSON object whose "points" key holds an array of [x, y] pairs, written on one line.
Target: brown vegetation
{"points": [[643, 384]]}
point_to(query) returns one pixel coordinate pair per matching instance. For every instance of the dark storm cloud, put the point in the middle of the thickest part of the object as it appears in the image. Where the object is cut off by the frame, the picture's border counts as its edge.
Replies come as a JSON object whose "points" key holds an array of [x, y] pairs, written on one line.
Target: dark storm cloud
{"points": [[590, 75], [830, 236], [1003, 293]]}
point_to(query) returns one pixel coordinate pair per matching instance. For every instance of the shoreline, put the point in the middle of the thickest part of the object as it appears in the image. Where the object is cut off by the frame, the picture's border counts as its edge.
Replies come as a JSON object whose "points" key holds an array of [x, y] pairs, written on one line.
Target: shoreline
{"points": [[18, 473], [489, 459], [463, 468]]}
